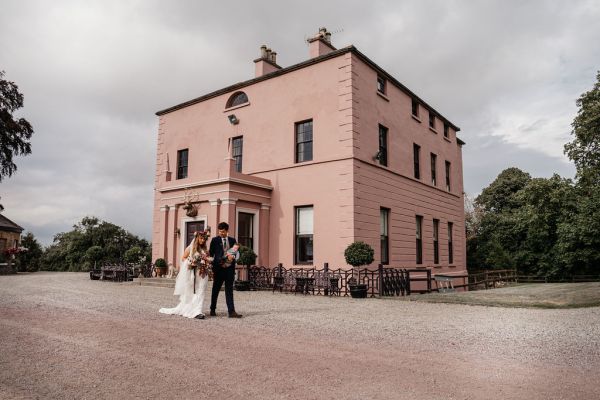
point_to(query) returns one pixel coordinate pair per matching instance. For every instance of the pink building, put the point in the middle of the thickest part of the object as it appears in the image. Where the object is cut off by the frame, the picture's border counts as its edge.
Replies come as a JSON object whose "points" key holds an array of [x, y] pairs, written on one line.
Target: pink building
{"points": [[303, 160]]}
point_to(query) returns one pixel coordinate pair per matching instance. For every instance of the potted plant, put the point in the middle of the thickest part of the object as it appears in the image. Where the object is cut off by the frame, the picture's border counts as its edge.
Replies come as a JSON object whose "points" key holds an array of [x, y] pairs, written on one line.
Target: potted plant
{"points": [[247, 258], [160, 267], [358, 254]]}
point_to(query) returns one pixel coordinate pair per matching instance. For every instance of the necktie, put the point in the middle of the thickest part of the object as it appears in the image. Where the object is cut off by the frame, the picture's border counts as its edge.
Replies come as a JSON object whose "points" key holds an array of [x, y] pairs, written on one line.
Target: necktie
{"points": [[224, 244]]}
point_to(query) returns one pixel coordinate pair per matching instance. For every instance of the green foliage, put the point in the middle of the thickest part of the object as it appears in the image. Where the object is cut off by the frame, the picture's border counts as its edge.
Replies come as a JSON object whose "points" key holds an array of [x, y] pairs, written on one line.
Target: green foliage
{"points": [[247, 256], [15, 134], [29, 260], [584, 150], [134, 254], [160, 263], [359, 253], [71, 251]]}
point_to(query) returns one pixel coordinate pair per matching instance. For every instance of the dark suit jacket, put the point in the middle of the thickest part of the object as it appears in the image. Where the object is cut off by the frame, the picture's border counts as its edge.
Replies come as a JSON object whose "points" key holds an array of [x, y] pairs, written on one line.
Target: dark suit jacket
{"points": [[216, 250]]}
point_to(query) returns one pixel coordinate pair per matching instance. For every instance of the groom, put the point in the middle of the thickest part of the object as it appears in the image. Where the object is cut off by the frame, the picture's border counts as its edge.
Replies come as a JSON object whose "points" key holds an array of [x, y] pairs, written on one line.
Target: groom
{"points": [[223, 269]]}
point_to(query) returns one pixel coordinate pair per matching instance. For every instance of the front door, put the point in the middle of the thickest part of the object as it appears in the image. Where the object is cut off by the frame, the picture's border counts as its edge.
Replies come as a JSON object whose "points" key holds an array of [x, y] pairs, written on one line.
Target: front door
{"points": [[190, 228]]}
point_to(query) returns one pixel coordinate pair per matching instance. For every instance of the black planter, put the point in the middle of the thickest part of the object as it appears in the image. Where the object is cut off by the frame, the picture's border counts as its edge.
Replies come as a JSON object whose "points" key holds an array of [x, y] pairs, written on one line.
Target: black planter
{"points": [[242, 286], [358, 291]]}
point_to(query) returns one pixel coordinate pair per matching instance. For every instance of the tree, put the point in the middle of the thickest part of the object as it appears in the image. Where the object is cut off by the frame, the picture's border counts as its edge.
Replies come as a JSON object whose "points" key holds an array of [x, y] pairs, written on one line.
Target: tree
{"points": [[498, 196], [69, 251], [15, 134], [30, 260], [584, 150]]}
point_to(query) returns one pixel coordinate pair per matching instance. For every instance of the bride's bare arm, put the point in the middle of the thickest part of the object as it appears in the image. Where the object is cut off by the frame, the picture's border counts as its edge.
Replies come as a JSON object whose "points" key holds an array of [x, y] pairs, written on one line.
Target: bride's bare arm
{"points": [[186, 254]]}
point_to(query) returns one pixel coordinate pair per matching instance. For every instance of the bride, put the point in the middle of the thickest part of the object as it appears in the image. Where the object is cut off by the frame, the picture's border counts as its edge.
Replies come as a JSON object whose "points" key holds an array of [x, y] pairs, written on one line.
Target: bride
{"points": [[192, 279]]}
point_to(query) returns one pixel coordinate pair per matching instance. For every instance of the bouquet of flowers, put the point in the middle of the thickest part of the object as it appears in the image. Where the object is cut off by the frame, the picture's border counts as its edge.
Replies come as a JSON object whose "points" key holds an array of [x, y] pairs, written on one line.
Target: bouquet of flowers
{"points": [[199, 261]]}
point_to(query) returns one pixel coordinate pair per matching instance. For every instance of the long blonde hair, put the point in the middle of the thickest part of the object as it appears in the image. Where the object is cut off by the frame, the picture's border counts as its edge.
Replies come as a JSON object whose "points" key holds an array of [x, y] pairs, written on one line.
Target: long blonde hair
{"points": [[196, 246]]}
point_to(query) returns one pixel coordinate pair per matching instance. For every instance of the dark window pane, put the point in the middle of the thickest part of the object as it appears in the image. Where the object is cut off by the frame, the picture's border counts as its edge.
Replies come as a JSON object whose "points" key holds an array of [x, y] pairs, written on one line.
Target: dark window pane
{"points": [[182, 164], [304, 139], [436, 253], [236, 151], [415, 108], [431, 120], [445, 130], [448, 175], [246, 229], [382, 155], [190, 228], [419, 240], [416, 154], [381, 84], [433, 169], [304, 249], [236, 99]]}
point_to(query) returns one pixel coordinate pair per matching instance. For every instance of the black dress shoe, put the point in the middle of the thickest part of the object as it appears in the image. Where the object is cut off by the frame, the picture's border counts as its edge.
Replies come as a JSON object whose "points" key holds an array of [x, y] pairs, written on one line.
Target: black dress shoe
{"points": [[234, 315], [213, 313], [200, 316]]}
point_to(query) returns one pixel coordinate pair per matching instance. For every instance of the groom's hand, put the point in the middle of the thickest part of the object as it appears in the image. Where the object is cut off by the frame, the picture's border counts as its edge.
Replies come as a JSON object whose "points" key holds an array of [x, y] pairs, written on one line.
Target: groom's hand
{"points": [[230, 258]]}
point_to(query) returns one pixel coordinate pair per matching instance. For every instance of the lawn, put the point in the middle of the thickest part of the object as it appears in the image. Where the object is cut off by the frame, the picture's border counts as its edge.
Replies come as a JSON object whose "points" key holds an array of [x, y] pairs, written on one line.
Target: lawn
{"points": [[545, 295]]}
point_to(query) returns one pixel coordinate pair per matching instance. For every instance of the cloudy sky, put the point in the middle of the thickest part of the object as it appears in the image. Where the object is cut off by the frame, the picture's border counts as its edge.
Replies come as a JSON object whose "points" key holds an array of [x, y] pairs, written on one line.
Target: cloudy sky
{"points": [[94, 73]]}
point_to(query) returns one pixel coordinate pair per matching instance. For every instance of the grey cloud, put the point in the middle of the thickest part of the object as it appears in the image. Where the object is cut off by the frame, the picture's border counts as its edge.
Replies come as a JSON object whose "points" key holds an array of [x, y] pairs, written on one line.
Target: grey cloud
{"points": [[93, 74]]}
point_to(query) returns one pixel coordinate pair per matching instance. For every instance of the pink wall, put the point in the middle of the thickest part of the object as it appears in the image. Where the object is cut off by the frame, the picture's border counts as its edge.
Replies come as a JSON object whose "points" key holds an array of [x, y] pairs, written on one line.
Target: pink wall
{"points": [[394, 186], [342, 182]]}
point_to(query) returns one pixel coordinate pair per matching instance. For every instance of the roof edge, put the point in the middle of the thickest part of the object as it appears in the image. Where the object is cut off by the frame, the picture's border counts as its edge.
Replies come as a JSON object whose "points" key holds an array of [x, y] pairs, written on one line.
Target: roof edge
{"points": [[304, 64]]}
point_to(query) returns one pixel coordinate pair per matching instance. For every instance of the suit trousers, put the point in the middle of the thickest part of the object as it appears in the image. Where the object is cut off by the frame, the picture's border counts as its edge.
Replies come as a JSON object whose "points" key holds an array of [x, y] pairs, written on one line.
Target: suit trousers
{"points": [[221, 275]]}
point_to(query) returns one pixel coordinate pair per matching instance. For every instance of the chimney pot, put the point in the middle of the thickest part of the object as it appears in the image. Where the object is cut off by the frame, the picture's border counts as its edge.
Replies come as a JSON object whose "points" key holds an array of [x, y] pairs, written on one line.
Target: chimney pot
{"points": [[263, 51], [274, 57]]}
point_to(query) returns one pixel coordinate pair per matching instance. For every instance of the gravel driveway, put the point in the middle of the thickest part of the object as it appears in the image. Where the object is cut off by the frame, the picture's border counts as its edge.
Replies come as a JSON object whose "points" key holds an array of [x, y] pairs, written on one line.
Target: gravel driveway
{"points": [[64, 336]]}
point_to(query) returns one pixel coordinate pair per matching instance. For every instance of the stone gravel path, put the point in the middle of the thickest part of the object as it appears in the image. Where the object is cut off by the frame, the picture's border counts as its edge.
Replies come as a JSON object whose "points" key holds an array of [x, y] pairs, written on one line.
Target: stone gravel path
{"points": [[64, 336]]}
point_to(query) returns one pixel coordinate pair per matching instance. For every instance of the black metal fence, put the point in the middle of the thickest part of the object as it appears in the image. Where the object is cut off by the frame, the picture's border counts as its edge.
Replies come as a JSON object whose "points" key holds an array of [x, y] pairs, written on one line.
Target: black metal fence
{"points": [[383, 281]]}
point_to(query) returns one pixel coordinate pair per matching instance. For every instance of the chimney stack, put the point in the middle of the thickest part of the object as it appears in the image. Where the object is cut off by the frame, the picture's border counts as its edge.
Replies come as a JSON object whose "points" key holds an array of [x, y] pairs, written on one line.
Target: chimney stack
{"points": [[320, 44], [267, 62]]}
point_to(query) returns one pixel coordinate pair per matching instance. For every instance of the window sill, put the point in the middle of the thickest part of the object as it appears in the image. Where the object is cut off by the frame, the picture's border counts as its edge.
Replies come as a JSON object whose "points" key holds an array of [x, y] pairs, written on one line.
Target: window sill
{"points": [[236, 107], [451, 266], [420, 267], [433, 130], [447, 140], [383, 96], [437, 266], [416, 118]]}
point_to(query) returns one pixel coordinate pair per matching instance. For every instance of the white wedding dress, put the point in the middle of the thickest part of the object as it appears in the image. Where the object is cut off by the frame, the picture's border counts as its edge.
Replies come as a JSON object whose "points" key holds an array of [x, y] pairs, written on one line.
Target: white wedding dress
{"points": [[190, 303]]}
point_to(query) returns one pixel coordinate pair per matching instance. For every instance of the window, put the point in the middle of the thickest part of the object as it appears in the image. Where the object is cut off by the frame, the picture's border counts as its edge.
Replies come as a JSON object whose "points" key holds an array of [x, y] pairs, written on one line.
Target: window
{"points": [[384, 217], [304, 235], [304, 141], [236, 99], [381, 84], [3, 242], [416, 152], [415, 108], [448, 175], [450, 248], [446, 131], [433, 169], [182, 164], [436, 243], [419, 221], [431, 120], [191, 228], [382, 154], [246, 229], [237, 145]]}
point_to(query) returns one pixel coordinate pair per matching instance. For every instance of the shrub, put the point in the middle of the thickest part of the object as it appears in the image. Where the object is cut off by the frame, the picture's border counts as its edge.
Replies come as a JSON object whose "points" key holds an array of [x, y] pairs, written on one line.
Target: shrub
{"points": [[247, 256], [359, 253], [160, 263]]}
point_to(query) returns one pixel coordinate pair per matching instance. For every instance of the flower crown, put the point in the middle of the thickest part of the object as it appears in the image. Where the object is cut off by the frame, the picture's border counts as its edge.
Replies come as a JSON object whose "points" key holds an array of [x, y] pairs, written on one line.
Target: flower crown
{"points": [[203, 234]]}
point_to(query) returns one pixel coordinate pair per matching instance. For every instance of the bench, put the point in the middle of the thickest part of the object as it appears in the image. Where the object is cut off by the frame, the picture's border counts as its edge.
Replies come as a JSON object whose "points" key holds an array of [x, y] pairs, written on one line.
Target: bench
{"points": [[444, 283]]}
